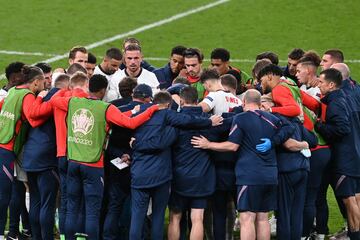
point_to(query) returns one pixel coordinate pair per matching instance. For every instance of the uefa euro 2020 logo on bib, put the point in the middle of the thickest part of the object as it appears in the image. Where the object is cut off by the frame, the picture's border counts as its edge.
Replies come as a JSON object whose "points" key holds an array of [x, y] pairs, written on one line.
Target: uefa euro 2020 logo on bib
{"points": [[82, 122]]}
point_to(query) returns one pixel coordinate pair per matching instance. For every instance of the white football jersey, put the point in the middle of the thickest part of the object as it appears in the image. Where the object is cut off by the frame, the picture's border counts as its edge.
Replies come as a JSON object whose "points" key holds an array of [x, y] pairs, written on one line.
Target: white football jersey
{"points": [[312, 91], [3, 94], [108, 97], [221, 101], [145, 77]]}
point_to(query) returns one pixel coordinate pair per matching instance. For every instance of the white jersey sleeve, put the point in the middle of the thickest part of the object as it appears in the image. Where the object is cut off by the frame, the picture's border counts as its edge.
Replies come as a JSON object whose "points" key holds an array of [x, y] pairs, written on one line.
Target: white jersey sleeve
{"points": [[313, 91], [221, 101], [150, 79], [210, 100], [112, 92], [3, 94]]}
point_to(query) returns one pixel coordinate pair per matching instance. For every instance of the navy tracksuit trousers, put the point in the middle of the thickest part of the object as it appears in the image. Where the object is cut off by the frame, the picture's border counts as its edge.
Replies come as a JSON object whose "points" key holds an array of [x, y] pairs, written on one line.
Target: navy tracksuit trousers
{"points": [[319, 160], [140, 199], [43, 188], [17, 207], [322, 208], [291, 200], [63, 165], [220, 211], [84, 184], [117, 221], [7, 159]]}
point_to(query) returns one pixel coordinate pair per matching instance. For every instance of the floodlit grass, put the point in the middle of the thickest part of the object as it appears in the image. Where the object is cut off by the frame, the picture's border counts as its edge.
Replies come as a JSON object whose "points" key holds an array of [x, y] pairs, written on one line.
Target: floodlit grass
{"points": [[244, 27]]}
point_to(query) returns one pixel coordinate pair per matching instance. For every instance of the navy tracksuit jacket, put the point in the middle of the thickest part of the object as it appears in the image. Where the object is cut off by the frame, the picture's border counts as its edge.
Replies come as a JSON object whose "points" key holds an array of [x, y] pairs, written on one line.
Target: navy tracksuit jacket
{"points": [[38, 158], [145, 167], [298, 161], [293, 171], [40, 163], [165, 76], [342, 130]]}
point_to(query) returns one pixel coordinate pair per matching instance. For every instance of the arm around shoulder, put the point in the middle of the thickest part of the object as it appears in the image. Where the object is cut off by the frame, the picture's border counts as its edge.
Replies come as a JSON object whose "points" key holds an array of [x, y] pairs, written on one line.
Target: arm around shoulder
{"points": [[115, 116]]}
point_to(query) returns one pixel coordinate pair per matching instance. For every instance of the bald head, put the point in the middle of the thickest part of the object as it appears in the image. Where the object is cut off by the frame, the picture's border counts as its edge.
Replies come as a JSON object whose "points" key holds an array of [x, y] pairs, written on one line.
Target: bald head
{"points": [[252, 96], [343, 68]]}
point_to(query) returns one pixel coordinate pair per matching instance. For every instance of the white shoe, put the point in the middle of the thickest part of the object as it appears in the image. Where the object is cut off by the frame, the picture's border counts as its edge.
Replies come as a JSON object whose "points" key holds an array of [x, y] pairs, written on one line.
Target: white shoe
{"points": [[272, 222]]}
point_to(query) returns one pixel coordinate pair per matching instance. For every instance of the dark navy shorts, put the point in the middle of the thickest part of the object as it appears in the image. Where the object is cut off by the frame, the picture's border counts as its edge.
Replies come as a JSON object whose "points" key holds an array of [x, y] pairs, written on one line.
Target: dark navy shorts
{"points": [[256, 198], [346, 186], [179, 203]]}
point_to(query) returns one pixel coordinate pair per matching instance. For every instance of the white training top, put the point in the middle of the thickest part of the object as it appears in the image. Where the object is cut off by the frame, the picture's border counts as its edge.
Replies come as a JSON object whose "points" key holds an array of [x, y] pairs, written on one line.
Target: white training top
{"points": [[221, 101], [98, 70], [312, 91], [108, 97], [3, 94], [145, 77]]}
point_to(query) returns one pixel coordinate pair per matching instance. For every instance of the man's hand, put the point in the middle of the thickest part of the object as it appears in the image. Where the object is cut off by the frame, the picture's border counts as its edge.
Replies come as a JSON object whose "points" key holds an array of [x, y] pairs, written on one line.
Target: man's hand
{"points": [[126, 159], [265, 106], [176, 98], [136, 109], [294, 145], [132, 140], [316, 82], [43, 93], [200, 142], [216, 120]]}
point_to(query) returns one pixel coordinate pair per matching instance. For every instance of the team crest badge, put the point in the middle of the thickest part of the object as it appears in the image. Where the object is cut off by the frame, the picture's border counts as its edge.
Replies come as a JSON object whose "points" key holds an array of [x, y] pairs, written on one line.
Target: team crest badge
{"points": [[82, 121]]}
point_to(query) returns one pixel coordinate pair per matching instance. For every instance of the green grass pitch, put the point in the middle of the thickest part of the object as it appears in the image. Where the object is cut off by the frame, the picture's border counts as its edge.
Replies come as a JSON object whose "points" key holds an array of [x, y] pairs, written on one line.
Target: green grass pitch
{"points": [[245, 27]]}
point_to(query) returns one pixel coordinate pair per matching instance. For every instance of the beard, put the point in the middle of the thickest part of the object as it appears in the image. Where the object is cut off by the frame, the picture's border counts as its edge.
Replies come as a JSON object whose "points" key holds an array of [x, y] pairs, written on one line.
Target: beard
{"points": [[133, 68], [175, 70], [266, 90], [192, 74]]}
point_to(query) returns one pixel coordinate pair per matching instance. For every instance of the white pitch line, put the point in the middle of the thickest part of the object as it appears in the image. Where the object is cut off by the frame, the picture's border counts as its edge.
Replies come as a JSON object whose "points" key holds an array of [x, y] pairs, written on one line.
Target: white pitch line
{"points": [[142, 29], [137, 30], [26, 53]]}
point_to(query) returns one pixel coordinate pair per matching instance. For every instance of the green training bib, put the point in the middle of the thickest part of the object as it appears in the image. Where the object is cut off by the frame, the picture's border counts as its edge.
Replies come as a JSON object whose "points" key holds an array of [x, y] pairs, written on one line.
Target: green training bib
{"points": [[86, 134], [10, 114]]}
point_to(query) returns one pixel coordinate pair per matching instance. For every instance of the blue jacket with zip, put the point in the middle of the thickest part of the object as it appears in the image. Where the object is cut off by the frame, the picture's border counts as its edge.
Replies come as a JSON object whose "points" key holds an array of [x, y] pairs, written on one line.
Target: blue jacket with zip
{"points": [[40, 147], [153, 168], [289, 161], [342, 131]]}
